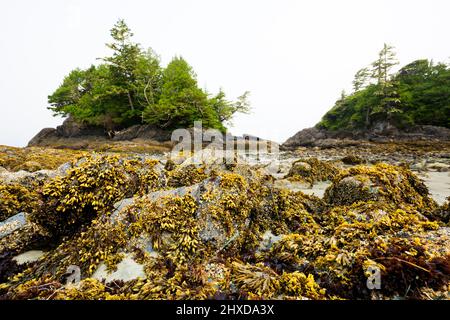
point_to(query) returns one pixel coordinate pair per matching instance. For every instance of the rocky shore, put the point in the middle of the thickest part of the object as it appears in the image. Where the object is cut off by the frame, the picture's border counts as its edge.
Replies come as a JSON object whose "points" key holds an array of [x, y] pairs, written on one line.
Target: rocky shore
{"points": [[381, 132], [309, 224]]}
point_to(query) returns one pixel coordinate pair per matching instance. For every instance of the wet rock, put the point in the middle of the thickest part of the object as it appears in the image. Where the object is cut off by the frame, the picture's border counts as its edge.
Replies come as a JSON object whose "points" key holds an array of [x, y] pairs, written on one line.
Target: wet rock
{"points": [[72, 128], [350, 190], [12, 224], [312, 170], [26, 178], [268, 240], [306, 137], [147, 132]]}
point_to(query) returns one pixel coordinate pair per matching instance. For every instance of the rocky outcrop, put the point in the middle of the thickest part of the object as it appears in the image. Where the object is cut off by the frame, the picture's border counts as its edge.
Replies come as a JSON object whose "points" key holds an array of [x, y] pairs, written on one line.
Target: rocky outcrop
{"points": [[75, 131], [380, 132], [143, 132], [45, 134]]}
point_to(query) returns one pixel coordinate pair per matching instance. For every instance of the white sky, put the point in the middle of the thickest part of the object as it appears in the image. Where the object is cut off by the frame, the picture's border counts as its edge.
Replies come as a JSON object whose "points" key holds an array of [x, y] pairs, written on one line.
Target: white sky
{"points": [[294, 56]]}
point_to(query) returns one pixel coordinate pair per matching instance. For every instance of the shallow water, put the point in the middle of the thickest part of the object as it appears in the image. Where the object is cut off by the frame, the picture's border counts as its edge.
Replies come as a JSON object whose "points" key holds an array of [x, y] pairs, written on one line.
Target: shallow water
{"points": [[438, 184]]}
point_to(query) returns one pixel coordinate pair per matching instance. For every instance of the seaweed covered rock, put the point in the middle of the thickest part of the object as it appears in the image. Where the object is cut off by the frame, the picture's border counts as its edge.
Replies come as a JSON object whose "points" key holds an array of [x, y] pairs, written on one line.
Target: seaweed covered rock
{"points": [[139, 228], [442, 213], [186, 175], [34, 158], [346, 246], [90, 189], [312, 170], [352, 159], [380, 182], [15, 198]]}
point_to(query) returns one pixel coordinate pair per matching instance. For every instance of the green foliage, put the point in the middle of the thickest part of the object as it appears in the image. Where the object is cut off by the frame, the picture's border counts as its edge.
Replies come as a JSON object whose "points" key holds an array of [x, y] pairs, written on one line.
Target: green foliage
{"points": [[181, 102], [418, 94], [130, 87]]}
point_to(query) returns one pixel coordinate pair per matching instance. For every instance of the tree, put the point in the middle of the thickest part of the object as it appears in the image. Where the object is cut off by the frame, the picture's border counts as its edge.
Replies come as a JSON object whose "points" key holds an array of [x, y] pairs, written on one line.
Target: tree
{"points": [[226, 109], [134, 73], [181, 101], [361, 79], [419, 91], [389, 99], [130, 87]]}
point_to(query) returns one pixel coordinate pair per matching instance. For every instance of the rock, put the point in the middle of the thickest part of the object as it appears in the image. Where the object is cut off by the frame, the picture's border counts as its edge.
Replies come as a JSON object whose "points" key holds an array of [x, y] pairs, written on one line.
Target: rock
{"points": [[352, 160], [312, 170], [128, 269], [146, 132], [431, 131], [381, 131], [12, 224], [351, 189], [43, 136], [29, 256], [31, 166], [64, 168], [25, 177], [300, 168], [268, 240], [305, 137], [73, 129], [382, 183]]}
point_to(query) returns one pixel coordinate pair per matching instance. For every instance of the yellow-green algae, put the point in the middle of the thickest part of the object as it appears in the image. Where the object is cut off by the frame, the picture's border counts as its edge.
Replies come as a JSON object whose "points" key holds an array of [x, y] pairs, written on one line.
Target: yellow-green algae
{"points": [[15, 198], [205, 243], [312, 170]]}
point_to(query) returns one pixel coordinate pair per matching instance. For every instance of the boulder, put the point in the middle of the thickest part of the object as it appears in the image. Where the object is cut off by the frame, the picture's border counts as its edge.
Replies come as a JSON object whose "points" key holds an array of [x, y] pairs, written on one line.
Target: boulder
{"points": [[305, 137], [73, 129], [12, 224], [381, 183], [43, 136]]}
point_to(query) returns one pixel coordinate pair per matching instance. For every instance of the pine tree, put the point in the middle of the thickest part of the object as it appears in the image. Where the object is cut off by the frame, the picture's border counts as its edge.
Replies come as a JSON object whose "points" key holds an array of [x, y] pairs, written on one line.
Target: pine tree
{"points": [[361, 79], [386, 85]]}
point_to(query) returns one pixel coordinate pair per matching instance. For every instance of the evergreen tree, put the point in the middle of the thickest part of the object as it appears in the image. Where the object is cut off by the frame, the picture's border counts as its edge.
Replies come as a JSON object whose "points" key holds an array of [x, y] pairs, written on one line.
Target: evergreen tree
{"points": [[130, 87], [386, 86], [361, 79]]}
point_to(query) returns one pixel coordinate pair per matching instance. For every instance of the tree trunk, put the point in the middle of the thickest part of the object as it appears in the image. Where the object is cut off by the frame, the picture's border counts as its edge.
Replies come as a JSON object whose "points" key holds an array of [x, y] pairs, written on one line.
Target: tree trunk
{"points": [[367, 117], [130, 101]]}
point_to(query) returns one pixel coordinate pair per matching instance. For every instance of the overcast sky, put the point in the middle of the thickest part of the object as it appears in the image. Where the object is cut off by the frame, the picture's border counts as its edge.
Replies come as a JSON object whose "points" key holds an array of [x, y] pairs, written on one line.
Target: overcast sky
{"points": [[294, 57]]}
